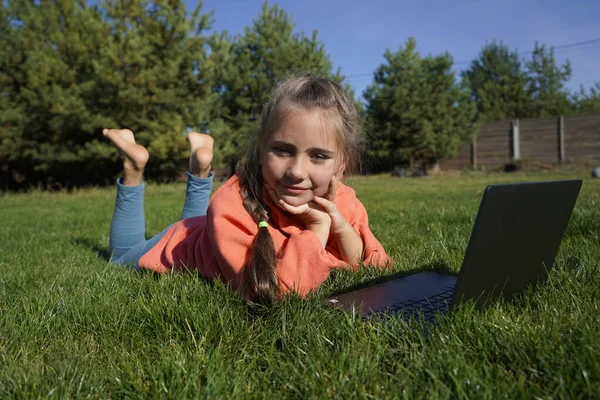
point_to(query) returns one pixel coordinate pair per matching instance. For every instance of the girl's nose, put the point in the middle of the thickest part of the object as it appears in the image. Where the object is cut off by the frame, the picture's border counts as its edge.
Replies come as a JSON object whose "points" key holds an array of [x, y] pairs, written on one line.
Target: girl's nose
{"points": [[297, 169]]}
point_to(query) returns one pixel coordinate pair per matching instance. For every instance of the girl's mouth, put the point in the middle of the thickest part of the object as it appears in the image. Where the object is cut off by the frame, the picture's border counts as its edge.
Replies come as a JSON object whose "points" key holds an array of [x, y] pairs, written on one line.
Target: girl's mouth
{"points": [[294, 189]]}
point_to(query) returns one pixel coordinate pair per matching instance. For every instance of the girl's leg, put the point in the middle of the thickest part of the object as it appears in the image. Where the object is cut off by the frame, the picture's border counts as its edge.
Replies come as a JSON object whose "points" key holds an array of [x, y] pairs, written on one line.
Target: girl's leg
{"points": [[200, 179], [197, 195], [133, 255], [128, 225]]}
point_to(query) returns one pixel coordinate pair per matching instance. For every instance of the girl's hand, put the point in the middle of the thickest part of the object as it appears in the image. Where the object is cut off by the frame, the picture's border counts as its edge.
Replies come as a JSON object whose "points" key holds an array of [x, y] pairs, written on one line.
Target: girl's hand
{"points": [[321, 216], [349, 241], [312, 215], [327, 203]]}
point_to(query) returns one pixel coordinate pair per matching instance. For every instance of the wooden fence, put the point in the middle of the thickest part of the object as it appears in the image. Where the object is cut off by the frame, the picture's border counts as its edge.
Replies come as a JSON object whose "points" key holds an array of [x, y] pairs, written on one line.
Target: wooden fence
{"points": [[550, 140]]}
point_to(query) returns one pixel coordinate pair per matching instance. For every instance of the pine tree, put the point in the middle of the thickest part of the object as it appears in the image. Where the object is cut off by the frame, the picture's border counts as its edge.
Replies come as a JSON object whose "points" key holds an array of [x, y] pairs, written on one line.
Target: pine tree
{"points": [[497, 83], [47, 49], [11, 112], [546, 83], [153, 77], [418, 112], [69, 69], [587, 102]]}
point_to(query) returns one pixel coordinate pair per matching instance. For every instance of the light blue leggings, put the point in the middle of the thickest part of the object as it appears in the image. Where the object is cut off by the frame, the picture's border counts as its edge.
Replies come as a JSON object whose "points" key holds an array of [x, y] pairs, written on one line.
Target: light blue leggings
{"points": [[128, 227]]}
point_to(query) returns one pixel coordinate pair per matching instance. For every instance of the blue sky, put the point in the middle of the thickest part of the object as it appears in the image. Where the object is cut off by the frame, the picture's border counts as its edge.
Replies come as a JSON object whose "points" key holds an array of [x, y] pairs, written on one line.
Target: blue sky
{"points": [[356, 33]]}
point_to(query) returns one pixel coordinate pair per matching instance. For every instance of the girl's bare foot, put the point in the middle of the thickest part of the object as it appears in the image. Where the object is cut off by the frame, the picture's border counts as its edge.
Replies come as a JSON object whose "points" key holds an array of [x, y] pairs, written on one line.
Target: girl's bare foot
{"points": [[201, 153], [134, 156]]}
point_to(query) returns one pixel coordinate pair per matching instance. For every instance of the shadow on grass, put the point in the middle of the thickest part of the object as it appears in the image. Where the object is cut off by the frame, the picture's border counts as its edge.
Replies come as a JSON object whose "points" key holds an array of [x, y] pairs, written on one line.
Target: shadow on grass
{"points": [[439, 266], [102, 252]]}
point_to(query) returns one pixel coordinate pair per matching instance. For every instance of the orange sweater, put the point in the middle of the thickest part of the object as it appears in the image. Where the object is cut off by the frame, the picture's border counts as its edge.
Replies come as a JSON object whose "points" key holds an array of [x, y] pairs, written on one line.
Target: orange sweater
{"points": [[218, 244]]}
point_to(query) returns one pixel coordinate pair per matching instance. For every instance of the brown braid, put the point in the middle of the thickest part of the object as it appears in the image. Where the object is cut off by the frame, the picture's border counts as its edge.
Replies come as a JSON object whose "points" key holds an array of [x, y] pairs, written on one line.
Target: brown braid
{"points": [[259, 280]]}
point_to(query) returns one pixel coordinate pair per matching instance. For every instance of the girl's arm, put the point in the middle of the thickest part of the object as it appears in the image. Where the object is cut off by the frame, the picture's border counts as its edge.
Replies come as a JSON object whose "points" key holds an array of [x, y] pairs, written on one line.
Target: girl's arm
{"points": [[350, 211], [349, 241], [322, 217]]}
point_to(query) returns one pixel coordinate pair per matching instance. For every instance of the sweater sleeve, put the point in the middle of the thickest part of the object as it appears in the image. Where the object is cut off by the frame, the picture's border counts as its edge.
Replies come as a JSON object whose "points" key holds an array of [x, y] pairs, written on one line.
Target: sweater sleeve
{"points": [[303, 263]]}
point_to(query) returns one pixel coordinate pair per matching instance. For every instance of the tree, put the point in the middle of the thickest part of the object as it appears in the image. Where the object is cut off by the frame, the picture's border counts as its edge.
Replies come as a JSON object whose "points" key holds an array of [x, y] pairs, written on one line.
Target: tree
{"points": [[153, 78], [69, 69], [46, 73], [251, 63], [546, 83], [587, 103], [504, 87], [416, 109], [11, 113], [497, 83]]}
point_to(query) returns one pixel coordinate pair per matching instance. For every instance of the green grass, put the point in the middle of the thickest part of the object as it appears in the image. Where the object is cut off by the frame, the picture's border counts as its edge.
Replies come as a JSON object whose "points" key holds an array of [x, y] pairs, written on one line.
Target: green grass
{"points": [[72, 325]]}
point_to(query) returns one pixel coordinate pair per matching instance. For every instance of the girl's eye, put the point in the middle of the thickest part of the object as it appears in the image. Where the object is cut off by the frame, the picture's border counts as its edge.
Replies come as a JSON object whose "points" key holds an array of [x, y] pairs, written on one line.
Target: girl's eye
{"points": [[321, 157], [280, 151]]}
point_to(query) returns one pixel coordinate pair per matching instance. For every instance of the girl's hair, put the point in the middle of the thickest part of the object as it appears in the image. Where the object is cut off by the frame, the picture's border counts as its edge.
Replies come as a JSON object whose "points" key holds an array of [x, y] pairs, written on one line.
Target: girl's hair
{"points": [[260, 282]]}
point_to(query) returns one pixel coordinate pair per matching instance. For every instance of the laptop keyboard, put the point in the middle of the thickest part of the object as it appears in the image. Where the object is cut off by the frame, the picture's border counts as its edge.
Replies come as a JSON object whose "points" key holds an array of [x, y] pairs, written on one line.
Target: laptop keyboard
{"points": [[427, 307]]}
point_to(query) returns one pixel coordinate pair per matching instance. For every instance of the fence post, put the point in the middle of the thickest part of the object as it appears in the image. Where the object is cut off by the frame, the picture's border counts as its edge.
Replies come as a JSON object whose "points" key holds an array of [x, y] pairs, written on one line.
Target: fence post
{"points": [[474, 153], [514, 140], [561, 138]]}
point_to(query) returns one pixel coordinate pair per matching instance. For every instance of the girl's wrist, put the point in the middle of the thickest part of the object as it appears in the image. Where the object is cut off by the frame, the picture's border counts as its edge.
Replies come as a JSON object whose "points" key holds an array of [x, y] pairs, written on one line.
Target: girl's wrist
{"points": [[341, 228], [350, 243], [321, 230]]}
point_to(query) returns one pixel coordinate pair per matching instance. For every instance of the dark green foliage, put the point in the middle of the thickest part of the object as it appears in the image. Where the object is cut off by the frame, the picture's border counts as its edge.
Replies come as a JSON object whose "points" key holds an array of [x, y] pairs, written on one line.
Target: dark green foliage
{"points": [[546, 83], [497, 81], [153, 78], [506, 87], [416, 109], [47, 81], [587, 103], [69, 69]]}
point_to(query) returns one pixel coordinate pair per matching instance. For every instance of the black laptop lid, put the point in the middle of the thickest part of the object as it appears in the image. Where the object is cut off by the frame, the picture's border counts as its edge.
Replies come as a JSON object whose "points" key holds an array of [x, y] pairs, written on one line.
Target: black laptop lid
{"points": [[515, 238]]}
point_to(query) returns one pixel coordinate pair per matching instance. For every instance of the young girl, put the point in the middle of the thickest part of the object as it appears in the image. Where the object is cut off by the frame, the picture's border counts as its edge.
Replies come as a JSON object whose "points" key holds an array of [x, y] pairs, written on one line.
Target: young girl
{"points": [[282, 223]]}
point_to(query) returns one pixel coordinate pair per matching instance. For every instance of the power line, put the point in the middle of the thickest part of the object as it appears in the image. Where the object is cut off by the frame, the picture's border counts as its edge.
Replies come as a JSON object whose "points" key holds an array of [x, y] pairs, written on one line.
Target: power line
{"points": [[568, 46], [523, 53]]}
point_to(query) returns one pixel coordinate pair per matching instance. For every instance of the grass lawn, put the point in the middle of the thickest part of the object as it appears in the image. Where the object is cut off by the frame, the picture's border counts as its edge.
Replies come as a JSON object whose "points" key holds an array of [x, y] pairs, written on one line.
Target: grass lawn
{"points": [[72, 325]]}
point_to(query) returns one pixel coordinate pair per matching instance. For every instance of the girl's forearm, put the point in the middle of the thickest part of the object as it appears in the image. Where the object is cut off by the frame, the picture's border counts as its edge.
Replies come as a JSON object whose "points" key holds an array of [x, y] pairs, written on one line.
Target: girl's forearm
{"points": [[322, 232], [350, 244]]}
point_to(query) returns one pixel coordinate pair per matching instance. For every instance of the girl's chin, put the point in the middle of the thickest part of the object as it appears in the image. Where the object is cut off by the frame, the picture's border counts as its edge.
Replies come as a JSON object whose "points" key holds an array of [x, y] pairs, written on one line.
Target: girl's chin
{"points": [[296, 201]]}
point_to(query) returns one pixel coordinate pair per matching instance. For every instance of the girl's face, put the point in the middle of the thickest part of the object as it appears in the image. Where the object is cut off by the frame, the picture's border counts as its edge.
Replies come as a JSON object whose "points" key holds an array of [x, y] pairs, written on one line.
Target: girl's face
{"points": [[301, 157]]}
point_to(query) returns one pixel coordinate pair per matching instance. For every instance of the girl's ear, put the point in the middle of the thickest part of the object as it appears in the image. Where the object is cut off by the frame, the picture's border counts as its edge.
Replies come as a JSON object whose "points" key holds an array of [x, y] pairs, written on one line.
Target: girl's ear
{"points": [[340, 171]]}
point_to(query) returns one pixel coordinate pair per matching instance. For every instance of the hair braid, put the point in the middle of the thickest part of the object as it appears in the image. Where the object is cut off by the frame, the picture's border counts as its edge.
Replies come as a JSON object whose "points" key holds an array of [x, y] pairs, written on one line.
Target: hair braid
{"points": [[259, 280]]}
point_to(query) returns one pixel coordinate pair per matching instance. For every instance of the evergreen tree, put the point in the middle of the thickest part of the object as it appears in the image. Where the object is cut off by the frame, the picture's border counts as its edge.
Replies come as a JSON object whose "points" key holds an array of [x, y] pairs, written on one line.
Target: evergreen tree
{"points": [[503, 87], [11, 114], [497, 83], [251, 63], [68, 70], [587, 103], [153, 78], [418, 112], [546, 83], [46, 75]]}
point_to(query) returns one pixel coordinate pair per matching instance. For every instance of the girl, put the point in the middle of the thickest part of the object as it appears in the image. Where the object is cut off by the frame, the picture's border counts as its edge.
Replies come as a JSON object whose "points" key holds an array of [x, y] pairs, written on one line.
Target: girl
{"points": [[283, 222]]}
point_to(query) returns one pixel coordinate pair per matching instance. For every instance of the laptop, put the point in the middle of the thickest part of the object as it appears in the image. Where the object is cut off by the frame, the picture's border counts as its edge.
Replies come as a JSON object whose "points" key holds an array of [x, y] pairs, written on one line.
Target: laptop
{"points": [[517, 233]]}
